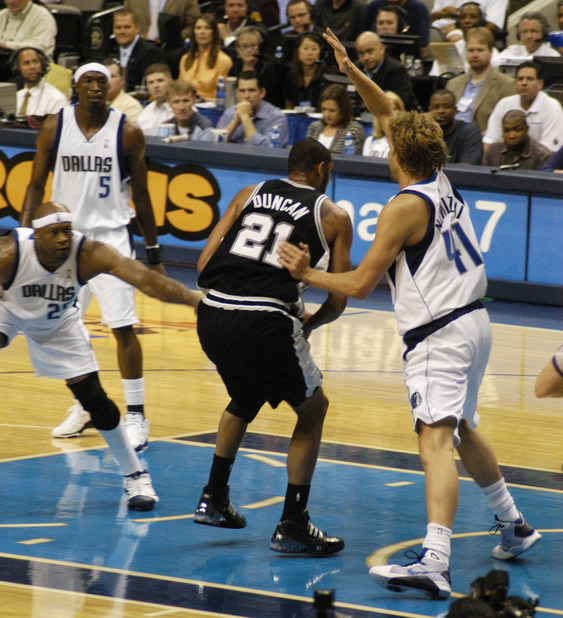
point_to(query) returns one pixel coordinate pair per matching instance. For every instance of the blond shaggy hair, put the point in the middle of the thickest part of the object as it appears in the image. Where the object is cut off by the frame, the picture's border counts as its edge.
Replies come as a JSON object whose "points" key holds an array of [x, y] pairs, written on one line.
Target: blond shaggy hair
{"points": [[418, 142]]}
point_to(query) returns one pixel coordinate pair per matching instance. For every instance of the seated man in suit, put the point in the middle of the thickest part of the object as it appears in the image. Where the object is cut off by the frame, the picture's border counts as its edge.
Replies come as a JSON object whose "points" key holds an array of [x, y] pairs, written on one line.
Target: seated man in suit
{"points": [[147, 12], [135, 53], [517, 147], [385, 71], [478, 91]]}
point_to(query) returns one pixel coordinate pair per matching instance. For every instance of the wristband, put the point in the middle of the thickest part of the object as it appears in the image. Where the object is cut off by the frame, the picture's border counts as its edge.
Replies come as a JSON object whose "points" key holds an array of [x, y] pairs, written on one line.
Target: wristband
{"points": [[154, 256]]}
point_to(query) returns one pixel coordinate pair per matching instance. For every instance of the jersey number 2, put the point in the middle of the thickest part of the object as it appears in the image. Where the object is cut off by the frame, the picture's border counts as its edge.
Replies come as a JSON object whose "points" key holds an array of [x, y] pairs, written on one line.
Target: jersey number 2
{"points": [[256, 233]]}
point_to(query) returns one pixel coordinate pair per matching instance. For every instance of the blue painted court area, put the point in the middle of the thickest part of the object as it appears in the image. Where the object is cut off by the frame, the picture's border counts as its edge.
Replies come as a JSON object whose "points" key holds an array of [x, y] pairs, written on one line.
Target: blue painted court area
{"points": [[64, 524]]}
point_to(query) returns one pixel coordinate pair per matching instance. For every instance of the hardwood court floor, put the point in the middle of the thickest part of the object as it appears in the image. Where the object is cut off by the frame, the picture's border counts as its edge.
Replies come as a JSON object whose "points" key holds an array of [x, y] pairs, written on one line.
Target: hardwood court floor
{"points": [[361, 361]]}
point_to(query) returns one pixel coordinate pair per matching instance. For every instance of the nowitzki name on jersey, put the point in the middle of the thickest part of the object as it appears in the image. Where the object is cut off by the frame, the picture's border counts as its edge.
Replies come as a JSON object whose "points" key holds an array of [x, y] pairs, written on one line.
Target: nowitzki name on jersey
{"points": [[280, 203], [448, 205], [86, 163]]}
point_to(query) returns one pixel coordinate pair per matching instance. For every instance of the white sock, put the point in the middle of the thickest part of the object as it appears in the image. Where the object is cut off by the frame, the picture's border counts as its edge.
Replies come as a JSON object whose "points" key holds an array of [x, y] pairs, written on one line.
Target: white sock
{"points": [[122, 450], [134, 391], [437, 541], [501, 501]]}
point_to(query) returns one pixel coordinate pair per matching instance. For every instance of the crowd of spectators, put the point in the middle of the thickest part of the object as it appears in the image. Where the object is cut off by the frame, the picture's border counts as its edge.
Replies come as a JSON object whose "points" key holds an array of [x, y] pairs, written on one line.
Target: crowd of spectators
{"points": [[273, 57]]}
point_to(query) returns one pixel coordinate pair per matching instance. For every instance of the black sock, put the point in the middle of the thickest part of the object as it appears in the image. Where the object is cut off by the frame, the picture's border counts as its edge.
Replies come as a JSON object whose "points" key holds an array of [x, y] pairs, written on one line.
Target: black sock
{"points": [[140, 409], [220, 472], [296, 498]]}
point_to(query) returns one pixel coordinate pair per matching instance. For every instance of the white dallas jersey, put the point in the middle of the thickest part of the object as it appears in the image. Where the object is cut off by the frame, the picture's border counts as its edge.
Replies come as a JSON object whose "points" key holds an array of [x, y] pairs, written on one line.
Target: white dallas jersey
{"points": [[37, 298], [445, 270], [89, 175]]}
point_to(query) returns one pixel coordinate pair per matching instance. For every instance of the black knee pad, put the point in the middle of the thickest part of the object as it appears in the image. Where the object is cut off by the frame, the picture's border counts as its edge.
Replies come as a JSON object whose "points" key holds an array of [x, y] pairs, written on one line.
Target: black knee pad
{"points": [[89, 392]]}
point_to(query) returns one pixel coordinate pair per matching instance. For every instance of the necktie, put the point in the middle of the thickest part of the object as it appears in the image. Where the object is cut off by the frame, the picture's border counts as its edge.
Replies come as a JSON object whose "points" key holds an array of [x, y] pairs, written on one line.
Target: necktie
{"points": [[23, 109], [153, 33]]}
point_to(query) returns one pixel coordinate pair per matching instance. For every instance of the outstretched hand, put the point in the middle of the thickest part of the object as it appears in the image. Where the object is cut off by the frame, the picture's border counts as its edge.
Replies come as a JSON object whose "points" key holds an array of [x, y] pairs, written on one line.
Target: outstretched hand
{"points": [[340, 53], [295, 259]]}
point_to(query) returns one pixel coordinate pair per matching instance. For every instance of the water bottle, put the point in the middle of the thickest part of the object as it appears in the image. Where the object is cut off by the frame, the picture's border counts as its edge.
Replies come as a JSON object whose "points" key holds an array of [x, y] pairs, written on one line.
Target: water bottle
{"points": [[275, 139], [220, 95], [279, 52], [417, 67], [349, 146], [409, 65]]}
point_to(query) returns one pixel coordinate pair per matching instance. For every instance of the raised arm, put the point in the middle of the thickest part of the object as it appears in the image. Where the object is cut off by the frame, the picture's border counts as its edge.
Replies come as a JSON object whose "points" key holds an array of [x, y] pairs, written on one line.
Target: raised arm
{"points": [[224, 225], [40, 170], [97, 258], [375, 99]]}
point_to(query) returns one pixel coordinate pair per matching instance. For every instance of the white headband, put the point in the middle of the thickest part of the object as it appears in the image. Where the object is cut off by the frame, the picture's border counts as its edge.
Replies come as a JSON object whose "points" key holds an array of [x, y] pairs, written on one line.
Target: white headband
{"points": [[91, 66], [54, 217]]}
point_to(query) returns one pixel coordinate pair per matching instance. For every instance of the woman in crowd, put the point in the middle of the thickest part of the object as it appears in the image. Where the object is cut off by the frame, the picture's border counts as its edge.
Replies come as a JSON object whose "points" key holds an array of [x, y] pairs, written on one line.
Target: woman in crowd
{"points": [[205, 62], [304, 82], [251, 56], [376, 145], [337, 121]]}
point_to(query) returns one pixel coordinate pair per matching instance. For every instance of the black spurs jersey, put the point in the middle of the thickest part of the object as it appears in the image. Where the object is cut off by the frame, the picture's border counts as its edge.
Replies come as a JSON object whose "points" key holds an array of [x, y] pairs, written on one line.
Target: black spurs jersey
{"points": [[244, 271]]}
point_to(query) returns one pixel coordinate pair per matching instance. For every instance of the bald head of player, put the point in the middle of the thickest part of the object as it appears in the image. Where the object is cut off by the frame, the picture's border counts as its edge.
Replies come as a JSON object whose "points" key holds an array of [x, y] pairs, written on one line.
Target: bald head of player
{"points": [[52, 225], [310, 163]]}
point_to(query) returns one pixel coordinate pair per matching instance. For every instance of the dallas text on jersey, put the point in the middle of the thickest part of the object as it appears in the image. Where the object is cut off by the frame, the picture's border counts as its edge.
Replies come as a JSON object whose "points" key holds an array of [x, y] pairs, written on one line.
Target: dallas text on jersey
{"points": [[48, 292], [87, 163]]}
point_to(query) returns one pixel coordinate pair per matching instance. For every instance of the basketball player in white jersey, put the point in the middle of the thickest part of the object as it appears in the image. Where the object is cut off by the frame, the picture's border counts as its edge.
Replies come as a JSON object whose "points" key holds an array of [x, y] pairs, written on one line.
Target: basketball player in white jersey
{"points": [[41, 271], [426, 244], [96, 155]]}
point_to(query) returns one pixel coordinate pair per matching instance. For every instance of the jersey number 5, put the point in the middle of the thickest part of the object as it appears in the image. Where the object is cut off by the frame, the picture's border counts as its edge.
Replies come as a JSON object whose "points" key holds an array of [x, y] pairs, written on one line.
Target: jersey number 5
{"points": [[104, 186], [256, 234]]}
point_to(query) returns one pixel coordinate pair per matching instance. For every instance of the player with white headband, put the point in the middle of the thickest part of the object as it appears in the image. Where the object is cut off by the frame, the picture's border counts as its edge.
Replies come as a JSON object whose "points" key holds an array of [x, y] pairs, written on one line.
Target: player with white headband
{"points": [[98, 163], [41, 272]]}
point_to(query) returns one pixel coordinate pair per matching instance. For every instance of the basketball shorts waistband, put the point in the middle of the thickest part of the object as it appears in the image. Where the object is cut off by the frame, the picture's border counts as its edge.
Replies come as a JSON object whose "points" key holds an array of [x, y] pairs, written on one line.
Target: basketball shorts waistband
{"points": [[221, 300], [414, 336]]}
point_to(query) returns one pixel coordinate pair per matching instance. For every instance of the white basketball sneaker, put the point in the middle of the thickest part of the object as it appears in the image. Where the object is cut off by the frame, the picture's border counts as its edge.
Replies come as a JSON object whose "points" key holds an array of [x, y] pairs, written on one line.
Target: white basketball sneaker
{"points": [[140, 493], [425, 575], [516, 537], [137, 430], [76, 421]]}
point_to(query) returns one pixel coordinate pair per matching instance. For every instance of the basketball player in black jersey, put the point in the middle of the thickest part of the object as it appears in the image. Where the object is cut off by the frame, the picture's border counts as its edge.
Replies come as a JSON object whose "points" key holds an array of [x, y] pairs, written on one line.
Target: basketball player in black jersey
{"points": [[252, 325]]}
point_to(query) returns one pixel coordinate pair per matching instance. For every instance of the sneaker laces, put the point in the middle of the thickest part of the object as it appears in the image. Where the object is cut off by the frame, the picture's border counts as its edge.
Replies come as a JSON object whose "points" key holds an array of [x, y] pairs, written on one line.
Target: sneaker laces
{"points": [[496, 527], [140, 481], [419, 558]]}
